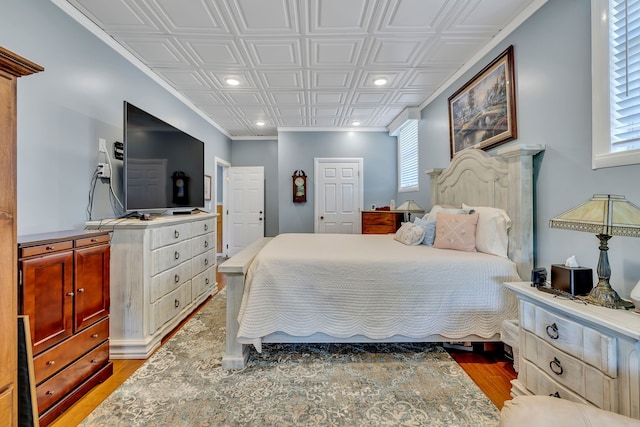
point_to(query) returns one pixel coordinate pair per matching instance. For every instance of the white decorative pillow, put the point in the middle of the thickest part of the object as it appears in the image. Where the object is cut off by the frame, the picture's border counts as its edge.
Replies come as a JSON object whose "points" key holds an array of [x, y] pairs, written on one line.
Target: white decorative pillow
{"points": [[456, 231], [431, 216], [492, 230], [429, 230], [409, 234]]}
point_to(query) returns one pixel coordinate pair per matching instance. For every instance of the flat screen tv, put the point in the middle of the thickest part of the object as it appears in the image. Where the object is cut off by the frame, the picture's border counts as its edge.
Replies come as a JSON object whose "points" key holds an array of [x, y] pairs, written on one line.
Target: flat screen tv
{"points": [[163, 166]]}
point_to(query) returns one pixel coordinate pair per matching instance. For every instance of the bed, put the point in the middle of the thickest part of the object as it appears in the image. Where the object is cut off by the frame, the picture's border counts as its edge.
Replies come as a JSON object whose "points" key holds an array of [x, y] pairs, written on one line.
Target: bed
{"points": [[372, 288]]}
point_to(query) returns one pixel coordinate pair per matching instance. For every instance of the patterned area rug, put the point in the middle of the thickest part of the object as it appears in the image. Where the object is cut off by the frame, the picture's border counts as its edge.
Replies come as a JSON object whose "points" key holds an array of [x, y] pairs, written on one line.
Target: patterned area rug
{"points": [[184, 384]]}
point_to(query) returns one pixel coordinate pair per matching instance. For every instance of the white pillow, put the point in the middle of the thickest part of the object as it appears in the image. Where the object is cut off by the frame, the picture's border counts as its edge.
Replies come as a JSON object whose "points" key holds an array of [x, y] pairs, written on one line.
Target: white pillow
{"points": [[492, 230], [431, 216], [409, 234]]}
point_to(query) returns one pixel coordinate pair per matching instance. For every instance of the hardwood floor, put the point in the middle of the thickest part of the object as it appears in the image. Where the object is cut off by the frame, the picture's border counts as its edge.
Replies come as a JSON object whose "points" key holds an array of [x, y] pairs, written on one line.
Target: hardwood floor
{"points": [[491, 371]]}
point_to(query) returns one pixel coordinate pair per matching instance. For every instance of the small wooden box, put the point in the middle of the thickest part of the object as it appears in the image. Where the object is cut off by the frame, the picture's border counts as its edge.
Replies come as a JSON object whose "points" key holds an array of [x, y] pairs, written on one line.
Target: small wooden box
{"points": [[575, 280]]}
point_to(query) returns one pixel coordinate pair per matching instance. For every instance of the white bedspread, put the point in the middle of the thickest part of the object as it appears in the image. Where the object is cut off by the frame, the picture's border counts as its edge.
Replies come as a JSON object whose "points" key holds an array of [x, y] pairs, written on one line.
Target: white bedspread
{"points": [[344, 285]]}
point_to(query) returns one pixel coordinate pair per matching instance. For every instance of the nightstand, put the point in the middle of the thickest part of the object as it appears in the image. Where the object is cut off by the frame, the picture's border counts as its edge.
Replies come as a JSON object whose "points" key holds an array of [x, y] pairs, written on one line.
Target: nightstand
{"points": [[577, 351], [381, 222]]}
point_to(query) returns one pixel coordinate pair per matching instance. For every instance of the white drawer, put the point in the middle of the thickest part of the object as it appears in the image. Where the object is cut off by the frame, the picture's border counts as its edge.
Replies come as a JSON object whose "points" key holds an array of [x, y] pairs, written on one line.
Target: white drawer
{"points": [[170, 256], [203, 243], [203, 227], [203, 261], [582, 342], [539, 383], [169, 280], [169, 306], [164, 236], [204, 282], [574, 374]]}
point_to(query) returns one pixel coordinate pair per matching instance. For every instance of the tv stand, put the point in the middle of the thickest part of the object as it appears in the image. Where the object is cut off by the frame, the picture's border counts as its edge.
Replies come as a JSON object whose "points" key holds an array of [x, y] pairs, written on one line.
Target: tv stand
{"points": [[161, 271]]}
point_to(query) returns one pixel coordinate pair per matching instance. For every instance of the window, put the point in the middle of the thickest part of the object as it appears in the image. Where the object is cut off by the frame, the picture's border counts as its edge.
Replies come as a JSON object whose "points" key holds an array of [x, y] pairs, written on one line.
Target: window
{"points": [[615, 44], [408, 157]]}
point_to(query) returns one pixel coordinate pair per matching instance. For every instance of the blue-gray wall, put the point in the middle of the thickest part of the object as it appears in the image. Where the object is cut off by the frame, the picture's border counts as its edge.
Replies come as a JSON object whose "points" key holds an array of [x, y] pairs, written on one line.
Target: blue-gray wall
{"points": [[297, 150], [262, 153], [65, 109], [553, 89]]}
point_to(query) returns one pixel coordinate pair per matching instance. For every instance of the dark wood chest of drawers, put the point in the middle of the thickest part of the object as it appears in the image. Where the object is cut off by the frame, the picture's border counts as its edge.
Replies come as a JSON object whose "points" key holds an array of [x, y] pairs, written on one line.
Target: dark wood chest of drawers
{"points": [[63, 288], [381, 222]]}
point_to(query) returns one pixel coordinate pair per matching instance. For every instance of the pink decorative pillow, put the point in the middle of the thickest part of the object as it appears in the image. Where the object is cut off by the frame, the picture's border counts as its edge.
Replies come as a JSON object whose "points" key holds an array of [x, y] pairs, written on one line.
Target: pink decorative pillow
{"points": [[456, 231]]}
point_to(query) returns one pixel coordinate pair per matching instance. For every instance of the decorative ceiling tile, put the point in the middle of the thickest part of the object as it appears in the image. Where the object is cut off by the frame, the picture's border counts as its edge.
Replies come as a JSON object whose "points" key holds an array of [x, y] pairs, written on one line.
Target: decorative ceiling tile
{"points": [[302, 63], [200, 16]]}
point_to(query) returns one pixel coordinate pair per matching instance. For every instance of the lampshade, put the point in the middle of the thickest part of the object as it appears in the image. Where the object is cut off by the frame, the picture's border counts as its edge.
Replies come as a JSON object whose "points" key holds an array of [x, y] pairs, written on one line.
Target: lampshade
{"points": [[410, 206], [604, 215]]}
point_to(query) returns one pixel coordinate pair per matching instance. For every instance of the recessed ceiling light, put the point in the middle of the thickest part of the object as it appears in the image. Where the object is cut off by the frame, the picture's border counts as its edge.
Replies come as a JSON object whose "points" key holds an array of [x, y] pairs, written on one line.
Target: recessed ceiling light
{"points": [[232, 81], [380, 81], [259, 123], [356, 123]]}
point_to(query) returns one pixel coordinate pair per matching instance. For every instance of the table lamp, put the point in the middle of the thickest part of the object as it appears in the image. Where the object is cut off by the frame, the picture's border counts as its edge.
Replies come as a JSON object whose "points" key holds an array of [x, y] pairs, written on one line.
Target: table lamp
{"points": [[605, 215], [409, 207]]}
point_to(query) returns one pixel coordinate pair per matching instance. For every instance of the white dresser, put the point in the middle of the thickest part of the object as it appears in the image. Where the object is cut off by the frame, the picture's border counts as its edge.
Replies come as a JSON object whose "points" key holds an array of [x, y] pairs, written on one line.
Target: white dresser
{"points": [[161, 270], [584, 353]]}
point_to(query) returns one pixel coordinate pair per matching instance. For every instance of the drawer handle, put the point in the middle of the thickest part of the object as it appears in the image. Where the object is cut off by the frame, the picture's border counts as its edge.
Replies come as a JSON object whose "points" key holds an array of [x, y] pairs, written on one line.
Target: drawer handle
{"points": [[552, 331], [206, 227], [95, 336], [94, 240], [50, 248], [49, 392], [80, 290], [176, 234], [94, 361], [556, 394], [70, 294], [206, 281], [51, 362], [556, 367], [176, 255], [176, 278], [206, 244], [206, 261], [176, 303]]}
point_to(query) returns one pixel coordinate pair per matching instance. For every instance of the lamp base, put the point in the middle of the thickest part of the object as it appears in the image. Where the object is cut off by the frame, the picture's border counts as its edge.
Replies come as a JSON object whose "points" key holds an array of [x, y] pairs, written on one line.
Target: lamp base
{"points": [[605, 296]]}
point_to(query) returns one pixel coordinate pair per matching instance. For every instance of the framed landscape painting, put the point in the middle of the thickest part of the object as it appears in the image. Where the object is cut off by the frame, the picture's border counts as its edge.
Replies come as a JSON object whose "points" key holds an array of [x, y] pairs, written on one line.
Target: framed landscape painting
{"points": [[482, 113]]}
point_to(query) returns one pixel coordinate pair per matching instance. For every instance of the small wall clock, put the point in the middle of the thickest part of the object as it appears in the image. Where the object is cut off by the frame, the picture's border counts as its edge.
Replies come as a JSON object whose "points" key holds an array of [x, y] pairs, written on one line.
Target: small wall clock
{"points": [[299, 186]]}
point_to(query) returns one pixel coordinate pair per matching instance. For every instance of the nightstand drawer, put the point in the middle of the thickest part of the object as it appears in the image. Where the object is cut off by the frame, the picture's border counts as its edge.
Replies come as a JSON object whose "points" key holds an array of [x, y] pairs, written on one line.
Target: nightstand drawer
{"points": [[580, 341], [540, 384], [379, 219], [570, 372]]}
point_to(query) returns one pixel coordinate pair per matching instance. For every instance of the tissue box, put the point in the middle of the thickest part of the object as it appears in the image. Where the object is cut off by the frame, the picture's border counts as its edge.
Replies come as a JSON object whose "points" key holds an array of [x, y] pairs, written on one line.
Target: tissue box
{"points": [[575, 280]]}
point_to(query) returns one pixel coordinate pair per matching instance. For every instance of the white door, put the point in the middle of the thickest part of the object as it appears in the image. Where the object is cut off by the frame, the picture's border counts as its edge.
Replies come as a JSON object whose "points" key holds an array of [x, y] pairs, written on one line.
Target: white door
{"points": [[245, 211], [338, 196]]}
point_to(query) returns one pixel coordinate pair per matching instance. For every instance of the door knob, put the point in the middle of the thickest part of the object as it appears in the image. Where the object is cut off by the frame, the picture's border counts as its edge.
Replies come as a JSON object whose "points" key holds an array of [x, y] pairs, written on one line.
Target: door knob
{"points": [[321, 217]]}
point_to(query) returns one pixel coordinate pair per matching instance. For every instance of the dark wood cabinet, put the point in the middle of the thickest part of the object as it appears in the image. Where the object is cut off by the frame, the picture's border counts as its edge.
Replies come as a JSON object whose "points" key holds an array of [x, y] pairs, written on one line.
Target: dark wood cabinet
{"points": [[64, 289], [47, 298], [381, 222]]}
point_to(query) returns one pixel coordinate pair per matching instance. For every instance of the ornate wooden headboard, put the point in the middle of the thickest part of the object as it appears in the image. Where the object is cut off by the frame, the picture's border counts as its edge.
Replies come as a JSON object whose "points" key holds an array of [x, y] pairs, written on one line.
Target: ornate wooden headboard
{"points": [[505, 181]]}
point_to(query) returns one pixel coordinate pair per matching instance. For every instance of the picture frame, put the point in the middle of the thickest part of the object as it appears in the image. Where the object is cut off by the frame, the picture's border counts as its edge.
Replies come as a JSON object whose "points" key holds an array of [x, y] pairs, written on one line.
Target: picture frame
{"points": [[482, 113], [207, 187]]}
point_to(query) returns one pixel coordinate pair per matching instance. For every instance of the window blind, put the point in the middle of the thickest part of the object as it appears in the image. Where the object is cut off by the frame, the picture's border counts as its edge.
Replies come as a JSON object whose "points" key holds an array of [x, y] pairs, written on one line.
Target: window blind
{"points": [[408, 156], [624, 72]]}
